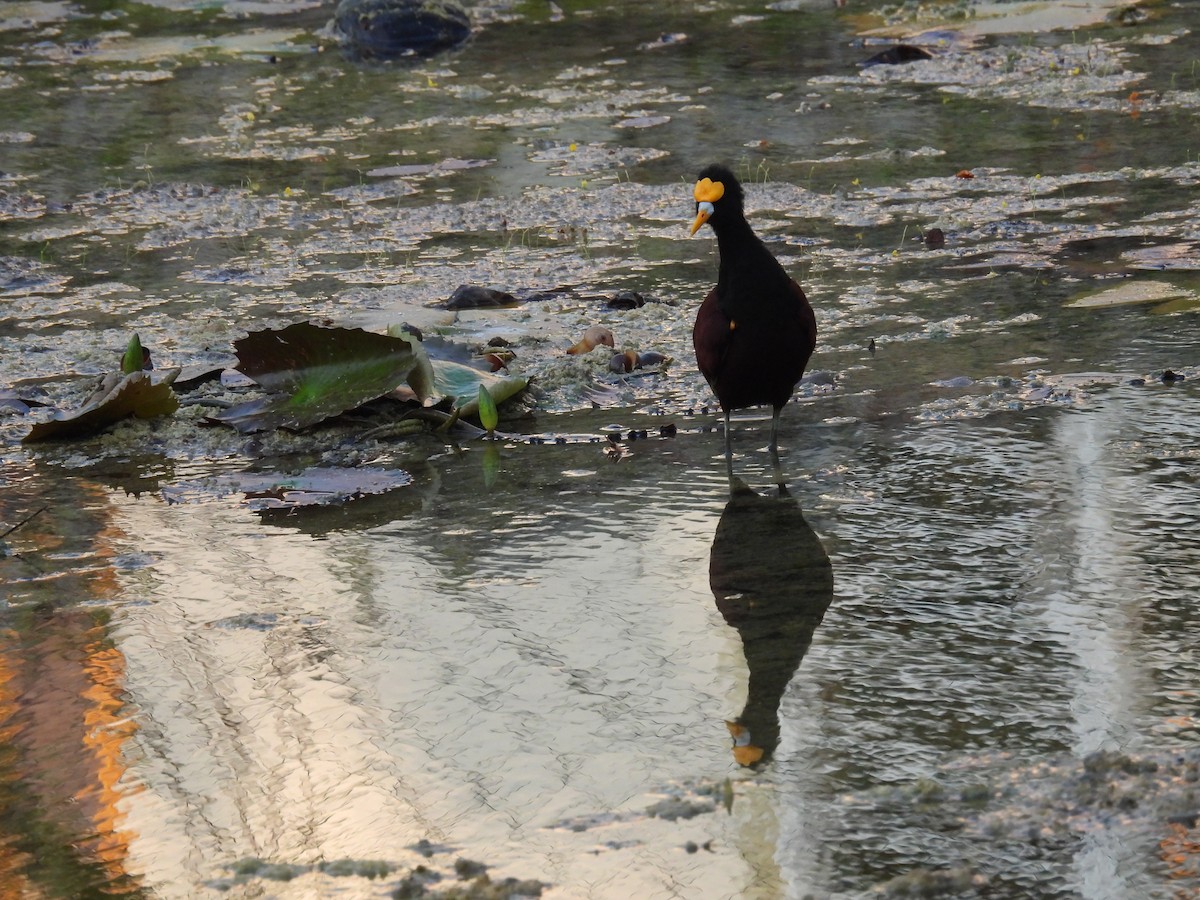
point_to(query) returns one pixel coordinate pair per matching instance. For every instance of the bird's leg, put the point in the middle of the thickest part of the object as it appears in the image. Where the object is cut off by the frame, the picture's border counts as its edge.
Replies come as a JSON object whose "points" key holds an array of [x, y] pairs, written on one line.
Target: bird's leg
{"points": [[774, 447], [728, 449]]}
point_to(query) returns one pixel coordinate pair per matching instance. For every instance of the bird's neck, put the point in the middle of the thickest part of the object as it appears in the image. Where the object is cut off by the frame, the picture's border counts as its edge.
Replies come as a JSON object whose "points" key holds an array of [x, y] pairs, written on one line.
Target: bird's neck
{"points": [[745, 260]]}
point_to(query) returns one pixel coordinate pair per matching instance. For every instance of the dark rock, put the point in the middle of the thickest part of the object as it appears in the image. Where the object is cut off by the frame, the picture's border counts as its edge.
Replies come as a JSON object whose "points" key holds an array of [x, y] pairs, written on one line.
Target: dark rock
{"points": [[626, 300], [893, 56], [1132, 15], [395, 29], [472, 296]]}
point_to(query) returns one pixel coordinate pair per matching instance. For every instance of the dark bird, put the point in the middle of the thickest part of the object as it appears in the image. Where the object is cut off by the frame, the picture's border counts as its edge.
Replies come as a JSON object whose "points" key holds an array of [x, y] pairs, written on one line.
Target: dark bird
{"points": [[755, 331]]}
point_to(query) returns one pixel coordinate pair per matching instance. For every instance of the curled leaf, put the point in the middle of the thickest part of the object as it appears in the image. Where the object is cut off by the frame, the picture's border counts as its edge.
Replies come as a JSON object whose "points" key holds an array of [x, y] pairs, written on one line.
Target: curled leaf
{"points": [[596, 336], [134, 394], [461, 383], [134, 358], [489, 416], [421, 378]]}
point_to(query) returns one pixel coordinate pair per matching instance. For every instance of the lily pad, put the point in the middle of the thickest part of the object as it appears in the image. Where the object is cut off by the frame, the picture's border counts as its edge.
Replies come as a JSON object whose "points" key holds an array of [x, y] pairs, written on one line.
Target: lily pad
{"points": [[120, 397], [1129, 294], [315, 373]]}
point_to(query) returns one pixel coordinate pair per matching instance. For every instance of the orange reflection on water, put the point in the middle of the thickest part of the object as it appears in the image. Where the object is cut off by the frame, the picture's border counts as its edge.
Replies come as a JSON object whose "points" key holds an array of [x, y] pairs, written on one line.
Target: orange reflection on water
{"points": [[63, 727], [106, 729]]}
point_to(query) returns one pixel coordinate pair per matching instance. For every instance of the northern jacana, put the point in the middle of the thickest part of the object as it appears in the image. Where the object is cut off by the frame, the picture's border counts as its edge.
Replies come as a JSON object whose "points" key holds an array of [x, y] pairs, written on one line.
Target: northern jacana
{"points": [[755, 331]]}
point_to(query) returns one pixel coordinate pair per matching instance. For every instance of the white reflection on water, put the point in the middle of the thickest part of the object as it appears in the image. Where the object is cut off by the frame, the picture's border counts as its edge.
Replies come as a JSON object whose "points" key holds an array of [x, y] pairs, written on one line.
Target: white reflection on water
{"points": [[311, 699], [1091, 607]]}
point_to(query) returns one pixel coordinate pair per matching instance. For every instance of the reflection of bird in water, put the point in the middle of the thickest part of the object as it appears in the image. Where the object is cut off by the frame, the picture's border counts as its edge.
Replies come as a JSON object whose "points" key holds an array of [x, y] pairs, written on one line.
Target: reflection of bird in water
{"points": [[772, 581], [755, 331]]}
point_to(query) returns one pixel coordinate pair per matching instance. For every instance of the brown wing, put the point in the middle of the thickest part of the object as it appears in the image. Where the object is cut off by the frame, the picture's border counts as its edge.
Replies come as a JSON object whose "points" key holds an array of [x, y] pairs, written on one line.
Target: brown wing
{"points": [[710, 337], [762, 356]]}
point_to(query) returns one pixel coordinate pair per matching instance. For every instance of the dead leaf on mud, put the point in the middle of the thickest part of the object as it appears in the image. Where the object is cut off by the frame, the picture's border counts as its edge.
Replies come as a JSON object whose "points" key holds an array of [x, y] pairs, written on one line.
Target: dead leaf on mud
{"points": [[120, 397]]}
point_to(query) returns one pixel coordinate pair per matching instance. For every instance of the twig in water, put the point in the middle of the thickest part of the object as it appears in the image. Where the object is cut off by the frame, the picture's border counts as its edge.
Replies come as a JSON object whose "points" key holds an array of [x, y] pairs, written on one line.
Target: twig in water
{"points": [[22, 522]]}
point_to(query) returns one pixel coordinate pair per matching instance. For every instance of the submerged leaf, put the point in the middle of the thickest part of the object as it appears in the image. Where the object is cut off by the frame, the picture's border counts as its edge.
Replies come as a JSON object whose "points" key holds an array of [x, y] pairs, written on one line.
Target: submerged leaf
{"points": [[1180, 304], [315, 374], [1130, 293], [134, 394], [315, 486]]}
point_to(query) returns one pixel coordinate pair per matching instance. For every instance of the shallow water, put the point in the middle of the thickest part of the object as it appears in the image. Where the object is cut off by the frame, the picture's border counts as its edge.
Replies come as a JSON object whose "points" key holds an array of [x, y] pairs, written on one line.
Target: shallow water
{"points": [[528, 656]]}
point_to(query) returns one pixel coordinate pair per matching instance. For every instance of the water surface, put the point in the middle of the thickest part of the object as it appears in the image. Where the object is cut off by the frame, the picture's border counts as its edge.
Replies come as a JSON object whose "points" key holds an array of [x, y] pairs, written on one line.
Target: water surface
{"points": [[961, 646]]}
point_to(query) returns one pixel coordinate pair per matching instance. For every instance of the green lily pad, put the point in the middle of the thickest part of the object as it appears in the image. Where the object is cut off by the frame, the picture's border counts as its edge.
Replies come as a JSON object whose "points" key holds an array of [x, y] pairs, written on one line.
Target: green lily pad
{"points": [[315, 373]]}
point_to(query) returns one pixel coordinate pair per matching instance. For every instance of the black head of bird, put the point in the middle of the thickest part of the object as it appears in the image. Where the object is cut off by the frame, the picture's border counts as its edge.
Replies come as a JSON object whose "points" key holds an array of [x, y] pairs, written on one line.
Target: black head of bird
{"points": [[718, 194], [755, 331]]}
